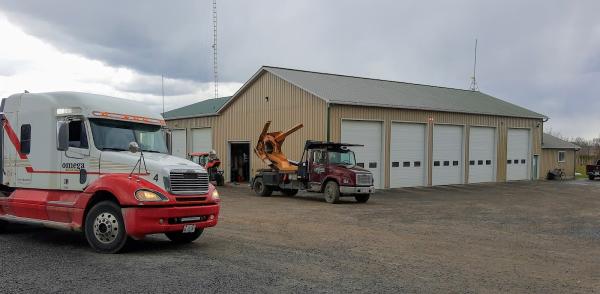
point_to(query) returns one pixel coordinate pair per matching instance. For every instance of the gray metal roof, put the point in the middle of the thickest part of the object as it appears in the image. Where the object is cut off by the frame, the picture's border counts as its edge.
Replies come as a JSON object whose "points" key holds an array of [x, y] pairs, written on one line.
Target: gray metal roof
{"points": [[340, 89], [551, 142]]}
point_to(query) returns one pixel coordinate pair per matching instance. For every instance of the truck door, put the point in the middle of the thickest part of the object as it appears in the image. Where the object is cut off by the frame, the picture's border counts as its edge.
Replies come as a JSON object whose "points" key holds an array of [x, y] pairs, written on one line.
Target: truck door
{"points": [[317, 166], [10, 152], [75, 161]]}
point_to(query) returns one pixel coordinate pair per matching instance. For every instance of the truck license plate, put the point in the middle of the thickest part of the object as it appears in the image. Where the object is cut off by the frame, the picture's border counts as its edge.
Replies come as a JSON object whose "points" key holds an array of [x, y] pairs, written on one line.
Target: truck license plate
{"points": [[189, 228]]}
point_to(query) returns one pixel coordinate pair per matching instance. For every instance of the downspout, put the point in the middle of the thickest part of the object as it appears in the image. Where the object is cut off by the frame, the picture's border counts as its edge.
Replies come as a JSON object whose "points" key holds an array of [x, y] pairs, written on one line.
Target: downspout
{"points": [[328, 116]]}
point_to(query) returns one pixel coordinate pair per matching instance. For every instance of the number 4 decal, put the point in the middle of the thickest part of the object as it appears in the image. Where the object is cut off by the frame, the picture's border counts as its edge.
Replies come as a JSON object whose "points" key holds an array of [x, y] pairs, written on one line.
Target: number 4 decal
{"points": [[155, 178]]}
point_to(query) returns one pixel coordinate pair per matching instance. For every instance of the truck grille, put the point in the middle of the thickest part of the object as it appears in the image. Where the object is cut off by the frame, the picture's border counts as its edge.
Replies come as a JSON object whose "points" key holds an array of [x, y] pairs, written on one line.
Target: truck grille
{"points": [[188, 182], [364, 179]]}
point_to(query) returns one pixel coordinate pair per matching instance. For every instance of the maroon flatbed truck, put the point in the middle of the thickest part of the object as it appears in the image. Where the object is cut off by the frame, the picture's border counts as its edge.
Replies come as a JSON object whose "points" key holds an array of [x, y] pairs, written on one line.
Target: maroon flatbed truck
{"points": [[325, 167], [593, 171]]}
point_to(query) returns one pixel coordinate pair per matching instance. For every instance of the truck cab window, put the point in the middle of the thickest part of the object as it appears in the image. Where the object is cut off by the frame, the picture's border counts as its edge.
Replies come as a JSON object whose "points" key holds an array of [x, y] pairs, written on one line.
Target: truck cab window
{"points": [[318, 157], [25, 139], [77, 135]]}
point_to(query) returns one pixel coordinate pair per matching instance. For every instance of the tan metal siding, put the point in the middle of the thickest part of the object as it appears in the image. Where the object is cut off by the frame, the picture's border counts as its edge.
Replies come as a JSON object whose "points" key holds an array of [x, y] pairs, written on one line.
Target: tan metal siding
{"points": [[550, 162], [340, 112], [245, 117], [193, 123]]}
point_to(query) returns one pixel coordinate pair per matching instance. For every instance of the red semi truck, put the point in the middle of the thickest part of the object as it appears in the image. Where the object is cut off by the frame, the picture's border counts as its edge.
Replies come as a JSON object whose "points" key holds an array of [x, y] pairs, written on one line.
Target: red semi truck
{"points": [[98, 165]]}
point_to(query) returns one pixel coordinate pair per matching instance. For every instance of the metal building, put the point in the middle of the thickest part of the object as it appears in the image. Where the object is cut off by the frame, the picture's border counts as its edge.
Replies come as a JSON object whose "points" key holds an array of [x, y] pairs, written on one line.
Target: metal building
{"points": [[558, 154], [413, 135]]}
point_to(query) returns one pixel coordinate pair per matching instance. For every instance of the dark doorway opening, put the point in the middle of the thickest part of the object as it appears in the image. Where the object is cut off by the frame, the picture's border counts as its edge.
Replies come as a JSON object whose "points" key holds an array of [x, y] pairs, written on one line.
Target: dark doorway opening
{"points": [[240, 162]]}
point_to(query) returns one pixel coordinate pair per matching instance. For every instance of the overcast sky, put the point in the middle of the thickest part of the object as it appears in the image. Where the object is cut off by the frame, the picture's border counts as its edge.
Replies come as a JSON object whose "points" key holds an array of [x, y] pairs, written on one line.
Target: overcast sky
{"points": [[543, 55]]}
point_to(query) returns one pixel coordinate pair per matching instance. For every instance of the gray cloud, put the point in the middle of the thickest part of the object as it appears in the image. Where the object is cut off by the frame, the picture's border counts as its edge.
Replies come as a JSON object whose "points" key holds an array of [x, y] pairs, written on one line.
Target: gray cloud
{"points": [[152, 85], [539, 54]]}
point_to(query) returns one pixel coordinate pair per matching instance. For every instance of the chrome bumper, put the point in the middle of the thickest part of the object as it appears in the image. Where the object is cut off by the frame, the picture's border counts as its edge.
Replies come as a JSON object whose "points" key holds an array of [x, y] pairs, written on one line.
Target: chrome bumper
{"points": [[357, 190]]}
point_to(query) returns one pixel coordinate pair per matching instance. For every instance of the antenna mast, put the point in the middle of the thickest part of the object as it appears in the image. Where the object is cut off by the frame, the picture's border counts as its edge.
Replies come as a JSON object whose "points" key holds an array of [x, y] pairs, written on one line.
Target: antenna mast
{"points": [[215, 68], [162, 88], [474, 86]]}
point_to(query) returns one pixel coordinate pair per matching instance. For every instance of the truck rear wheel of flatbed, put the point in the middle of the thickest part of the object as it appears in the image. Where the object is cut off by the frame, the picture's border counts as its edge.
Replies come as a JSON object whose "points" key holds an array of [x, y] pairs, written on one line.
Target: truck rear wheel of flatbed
{"points": [[260, 188]]}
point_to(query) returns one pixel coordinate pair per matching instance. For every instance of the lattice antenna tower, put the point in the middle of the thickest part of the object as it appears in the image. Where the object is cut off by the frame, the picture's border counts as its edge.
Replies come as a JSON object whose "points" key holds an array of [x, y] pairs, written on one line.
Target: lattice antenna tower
{"points": [[474, 86], [215, 52]]}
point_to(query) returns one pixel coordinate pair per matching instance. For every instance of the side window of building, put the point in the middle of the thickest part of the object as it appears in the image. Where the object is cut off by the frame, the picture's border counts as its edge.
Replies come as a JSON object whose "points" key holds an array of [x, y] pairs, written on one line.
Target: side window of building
{"points": [[25, 139], [77, 135], [561, 156]]}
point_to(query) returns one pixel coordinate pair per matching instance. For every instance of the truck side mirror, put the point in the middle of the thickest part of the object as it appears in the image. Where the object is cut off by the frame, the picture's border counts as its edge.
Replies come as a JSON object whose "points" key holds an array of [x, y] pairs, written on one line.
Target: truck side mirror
{"points": [[62, 138]]}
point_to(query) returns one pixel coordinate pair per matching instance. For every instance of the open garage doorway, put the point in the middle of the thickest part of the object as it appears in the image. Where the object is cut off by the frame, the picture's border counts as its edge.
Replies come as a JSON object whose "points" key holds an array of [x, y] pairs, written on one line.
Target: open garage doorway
{"points": [[239, 163]]}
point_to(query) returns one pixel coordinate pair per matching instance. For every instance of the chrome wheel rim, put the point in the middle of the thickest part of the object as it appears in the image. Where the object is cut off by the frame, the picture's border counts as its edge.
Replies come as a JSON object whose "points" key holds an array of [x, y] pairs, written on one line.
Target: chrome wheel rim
{"points": [[106, 228]]}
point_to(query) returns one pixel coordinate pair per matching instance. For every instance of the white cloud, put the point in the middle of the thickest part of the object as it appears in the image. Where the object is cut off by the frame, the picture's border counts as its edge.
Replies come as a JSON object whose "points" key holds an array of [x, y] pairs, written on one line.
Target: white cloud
{"points": [[28, 63]]}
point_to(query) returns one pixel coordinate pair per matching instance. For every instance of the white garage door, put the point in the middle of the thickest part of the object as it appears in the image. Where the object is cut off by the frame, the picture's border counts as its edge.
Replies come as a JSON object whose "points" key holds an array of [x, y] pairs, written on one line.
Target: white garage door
{"points": [[407, 155], [178, 143], [517, 159], [370, 156], [482, 149], [201, 140], [447, 155]]}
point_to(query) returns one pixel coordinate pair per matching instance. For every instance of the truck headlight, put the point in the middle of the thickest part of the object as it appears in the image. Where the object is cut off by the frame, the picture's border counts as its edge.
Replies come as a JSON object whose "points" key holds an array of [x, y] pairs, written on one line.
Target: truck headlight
{"points": [[215, 196], [149, 196]]}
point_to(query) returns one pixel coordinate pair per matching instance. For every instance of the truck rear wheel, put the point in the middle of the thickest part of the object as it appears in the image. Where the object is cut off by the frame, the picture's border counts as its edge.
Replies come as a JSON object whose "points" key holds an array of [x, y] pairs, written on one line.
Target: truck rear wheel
{"points": [[184, 238], [105, 228], [260, 188], [363, 198], [219, 179], [289, 192], [332, 192]]}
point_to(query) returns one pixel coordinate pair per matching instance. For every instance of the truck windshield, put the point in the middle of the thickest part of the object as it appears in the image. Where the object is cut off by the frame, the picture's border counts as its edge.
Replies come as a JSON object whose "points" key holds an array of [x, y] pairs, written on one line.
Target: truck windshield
{"points": [[343, 157], [116, 135]]}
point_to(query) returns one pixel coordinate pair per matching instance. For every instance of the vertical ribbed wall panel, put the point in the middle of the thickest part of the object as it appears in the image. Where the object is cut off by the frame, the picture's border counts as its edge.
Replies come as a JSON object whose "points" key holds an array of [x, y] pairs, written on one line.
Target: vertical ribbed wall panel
{"points": [[388, 115]]}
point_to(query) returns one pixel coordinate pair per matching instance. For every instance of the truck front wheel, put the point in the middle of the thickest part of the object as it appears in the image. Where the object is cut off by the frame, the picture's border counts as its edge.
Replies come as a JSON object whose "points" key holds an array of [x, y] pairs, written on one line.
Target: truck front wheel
{"points": [[184, 238], [332, 192], [105, 228], [363, 198], [260, 188]]}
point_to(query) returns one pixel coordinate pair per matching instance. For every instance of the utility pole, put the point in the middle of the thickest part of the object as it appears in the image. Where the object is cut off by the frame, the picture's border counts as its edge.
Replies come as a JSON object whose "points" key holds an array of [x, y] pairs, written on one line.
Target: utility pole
{"points": [[162, 82], [474, 86], [215, 64]]}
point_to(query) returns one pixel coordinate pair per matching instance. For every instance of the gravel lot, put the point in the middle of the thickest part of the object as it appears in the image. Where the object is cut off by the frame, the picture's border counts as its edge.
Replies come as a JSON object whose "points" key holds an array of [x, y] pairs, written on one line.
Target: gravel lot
{"points": [[517, 237]]}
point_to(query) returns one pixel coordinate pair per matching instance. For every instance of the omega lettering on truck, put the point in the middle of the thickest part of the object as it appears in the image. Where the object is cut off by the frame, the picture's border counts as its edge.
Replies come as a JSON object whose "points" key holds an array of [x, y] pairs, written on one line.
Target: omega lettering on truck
{"points": [[98, 165]]}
